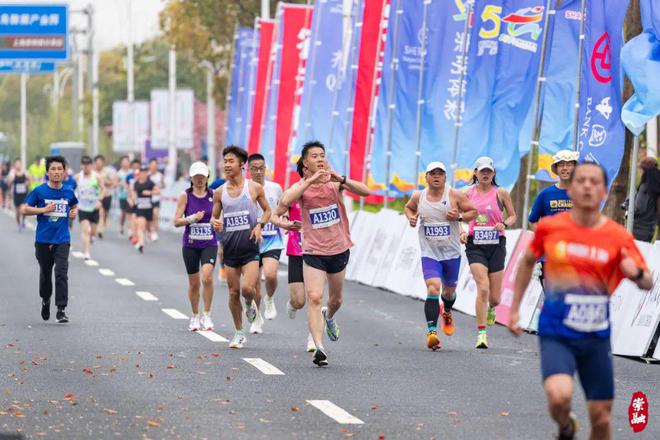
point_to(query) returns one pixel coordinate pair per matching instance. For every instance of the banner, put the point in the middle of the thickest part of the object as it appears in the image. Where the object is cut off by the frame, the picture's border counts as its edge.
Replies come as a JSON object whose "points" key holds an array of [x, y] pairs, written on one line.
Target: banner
{"points": [[249, 60], [263, 78], [294, 23], [641, 61], [267, 145], [184, 102], [601, 135], [236, 97], [130, 126]]}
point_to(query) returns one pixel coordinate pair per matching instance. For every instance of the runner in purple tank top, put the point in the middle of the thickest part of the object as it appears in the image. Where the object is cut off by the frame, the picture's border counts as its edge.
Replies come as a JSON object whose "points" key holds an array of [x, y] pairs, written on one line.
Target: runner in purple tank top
{"points": [[193, 211]]}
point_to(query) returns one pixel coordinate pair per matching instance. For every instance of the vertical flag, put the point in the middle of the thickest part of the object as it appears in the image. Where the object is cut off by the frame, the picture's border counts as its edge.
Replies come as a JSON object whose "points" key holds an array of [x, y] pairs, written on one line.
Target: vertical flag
{"points": [[250, 61], [237, 96], [272, 92], [601, 134], [266, 32]]}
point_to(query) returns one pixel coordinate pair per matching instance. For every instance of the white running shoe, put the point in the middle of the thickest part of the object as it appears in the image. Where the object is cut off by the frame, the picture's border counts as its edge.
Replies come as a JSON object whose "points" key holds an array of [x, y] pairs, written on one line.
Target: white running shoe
{"points": [[251, 311], [311, 346], [256, 328], [271, 311], [206, 323], [195, 323], [238, 340], [154, 236], [290, 310], [86, 256]]}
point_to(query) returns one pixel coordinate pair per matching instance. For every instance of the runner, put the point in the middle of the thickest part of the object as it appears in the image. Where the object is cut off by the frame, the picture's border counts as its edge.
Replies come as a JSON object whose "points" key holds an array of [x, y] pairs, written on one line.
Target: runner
{"points": [[193, 210], [440, 209], [90, 193], [222, 276], [271, 248], [157, 178], [108, 179], [486, 244], [141, 192], [587, 256], [5, 169], [326, 239], [122, 184], [53, 203], [130, 182], [554, 199], [19, 182], [37, 172], [237, 201]]}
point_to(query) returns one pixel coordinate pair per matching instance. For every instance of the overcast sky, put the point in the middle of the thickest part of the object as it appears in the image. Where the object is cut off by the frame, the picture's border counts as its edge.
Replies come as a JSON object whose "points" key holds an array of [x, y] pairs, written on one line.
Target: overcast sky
{"points": [[112, 18]]}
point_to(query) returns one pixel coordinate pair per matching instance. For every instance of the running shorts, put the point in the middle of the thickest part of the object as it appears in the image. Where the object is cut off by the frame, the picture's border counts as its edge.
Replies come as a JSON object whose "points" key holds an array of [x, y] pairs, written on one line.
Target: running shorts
{"points": [[19, 199], [328, 263], [591, 357], [146, 213], [92, 217], [446, 270], [237, 263], [155, 204], [490, 255], [273, 253], [106, 203], [194, 258], [296, 269], [123, 205]]}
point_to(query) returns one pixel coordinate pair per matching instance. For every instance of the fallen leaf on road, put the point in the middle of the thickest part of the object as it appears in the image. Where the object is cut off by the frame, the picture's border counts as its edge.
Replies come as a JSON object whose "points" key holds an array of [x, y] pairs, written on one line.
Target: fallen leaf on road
{"points": [[264, 420], [374, 408], [504, 414], [228, 378], [113, 370], [452, 413], [109, 411], [215, 355], [18, 414], [88, 371], [381, 437], [40, 434], [68, 396], [170, 366], [152, 424], [98, 356], [294, 408]]}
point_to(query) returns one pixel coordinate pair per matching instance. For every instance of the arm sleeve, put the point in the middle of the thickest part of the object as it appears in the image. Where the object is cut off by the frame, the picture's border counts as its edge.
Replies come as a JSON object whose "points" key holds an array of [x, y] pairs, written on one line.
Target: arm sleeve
{"points": [[536, 246], [535, 213]]}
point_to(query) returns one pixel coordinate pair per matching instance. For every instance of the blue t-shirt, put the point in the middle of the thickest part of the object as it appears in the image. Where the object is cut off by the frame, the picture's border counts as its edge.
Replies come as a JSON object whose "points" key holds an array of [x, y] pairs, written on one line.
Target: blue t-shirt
{"points": [[53, 228], [548, 202], [217, 183]]}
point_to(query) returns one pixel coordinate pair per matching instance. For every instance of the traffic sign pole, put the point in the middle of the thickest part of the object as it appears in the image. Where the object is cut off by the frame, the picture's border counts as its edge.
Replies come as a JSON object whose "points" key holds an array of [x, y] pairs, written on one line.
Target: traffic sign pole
{"points": [[24, 78]]}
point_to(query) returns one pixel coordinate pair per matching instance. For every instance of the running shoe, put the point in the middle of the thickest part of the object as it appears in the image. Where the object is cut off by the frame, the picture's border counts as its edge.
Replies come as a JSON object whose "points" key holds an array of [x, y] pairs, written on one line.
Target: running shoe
{"points": [[257, 326], [331, 327], [320, 358], [482, 340], [45, 310], [290, 310], [206, 323], [311, 345], [433, 340], [238, 340], [251, 311], [86, 256], [154, 236], [141, 249], [447, 323], [490, 318], [575, 427], [195, 323], [61, 316], [271, 311], [100, 234]]}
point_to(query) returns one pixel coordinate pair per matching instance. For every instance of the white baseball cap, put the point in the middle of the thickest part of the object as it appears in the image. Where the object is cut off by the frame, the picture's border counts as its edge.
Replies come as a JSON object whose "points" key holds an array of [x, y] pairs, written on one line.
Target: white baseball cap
{"points": [[434, 165], [198, 168], [483, 163], [565, 156]]}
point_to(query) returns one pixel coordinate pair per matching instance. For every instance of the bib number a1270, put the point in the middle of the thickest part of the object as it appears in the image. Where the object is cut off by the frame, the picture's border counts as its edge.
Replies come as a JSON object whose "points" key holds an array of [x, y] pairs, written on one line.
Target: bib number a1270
{"points": [[437, 231], [237, 221], [486, 235], [586, 313], [201, 231], [324, 217]]}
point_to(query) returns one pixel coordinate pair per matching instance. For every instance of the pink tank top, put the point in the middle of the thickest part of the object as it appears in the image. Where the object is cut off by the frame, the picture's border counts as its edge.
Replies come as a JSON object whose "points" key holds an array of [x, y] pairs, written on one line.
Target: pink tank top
{"points": [[489, 212], [325, 223], [294, 244]]}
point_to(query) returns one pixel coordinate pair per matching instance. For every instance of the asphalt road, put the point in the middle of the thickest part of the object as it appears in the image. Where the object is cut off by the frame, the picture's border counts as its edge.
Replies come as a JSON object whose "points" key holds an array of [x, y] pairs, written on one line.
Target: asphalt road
{"points": [[122, 368]]}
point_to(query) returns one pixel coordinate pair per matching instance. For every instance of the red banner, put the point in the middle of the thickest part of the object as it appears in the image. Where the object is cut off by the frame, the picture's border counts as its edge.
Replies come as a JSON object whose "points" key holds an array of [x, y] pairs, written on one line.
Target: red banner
{"points": [[264, 76], [294, 25]]}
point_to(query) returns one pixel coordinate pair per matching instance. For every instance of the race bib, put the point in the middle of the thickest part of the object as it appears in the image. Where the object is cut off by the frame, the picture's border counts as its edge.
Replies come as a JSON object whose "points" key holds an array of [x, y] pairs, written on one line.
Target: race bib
{"points": [[201, 231], [586, 313], [87, 198], [21, 188], [486, 235], [324, 217], [60, 208], [237, 221], [270, 230], [437, 231], [144, 203]]}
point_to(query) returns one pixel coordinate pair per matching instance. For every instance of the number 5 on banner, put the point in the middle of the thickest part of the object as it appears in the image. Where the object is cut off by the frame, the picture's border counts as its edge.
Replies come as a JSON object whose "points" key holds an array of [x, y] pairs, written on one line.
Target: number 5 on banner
{"points": [[491, 13]]}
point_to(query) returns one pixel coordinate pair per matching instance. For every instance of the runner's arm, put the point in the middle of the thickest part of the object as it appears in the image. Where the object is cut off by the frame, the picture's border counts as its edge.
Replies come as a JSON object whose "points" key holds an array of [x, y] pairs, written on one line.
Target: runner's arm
{"points": [[179, 219], [410, 210], [466, 207], [217, 210], [508, 205], [263, 202], [523, 276], [357, 188]]}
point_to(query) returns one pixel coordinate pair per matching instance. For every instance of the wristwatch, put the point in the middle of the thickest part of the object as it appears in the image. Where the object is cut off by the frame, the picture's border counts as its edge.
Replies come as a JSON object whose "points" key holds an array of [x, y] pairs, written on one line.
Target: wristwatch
{"points": [[262, 224], [343, 180]]}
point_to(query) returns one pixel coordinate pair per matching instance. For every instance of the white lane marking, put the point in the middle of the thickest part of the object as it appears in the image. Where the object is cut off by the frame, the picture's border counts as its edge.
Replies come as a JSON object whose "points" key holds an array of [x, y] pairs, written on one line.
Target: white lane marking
{"points": [[264, 366], [31, 226], [212, 336], [334, 412], [77, 254], [106, 272], [282, 273], [146, 296], [174, 313], [124, 282], [92, 263]]}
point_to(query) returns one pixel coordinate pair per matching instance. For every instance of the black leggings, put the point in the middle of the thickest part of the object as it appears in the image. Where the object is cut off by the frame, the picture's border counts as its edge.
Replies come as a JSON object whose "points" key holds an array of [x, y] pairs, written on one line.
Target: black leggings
{"points": [[49, 255]]}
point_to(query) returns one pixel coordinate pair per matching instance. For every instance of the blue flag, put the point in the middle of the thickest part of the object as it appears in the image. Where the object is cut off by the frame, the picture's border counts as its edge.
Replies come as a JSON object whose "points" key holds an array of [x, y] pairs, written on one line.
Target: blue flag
{"points": [[272, 90], [641, 61], [601, 134], [236, 91], [247, 71]]}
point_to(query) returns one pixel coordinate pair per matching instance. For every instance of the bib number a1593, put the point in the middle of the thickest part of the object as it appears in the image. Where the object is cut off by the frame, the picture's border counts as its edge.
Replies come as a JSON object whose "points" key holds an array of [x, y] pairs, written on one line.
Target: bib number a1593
{"points": [[324, 217], [586, 313], [486, 235]]}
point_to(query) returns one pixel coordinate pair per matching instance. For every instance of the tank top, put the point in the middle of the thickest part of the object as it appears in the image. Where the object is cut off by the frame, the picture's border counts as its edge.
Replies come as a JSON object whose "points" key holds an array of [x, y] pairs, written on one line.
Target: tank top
{"points": [[157, 179], [143, 201], [88, 191], [201, 234], [325, 223], [20, 185], [271, 233], [239, 216], [439, 238], [294, 244], [123, 184], [489, 213]]}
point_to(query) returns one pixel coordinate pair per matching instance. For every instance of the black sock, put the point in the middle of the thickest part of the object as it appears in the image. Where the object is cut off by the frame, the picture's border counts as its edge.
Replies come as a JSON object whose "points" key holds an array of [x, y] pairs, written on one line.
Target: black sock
{"points": [[432, 310], [449, 303]]}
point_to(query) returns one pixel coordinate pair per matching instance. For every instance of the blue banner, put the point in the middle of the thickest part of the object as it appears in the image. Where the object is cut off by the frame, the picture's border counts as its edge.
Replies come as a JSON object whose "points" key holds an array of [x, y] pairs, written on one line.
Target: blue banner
{"points": [[601, 134], [272, 90], [641, 61], [34, 32], [247, 71], [31, 67], [237, 88]]}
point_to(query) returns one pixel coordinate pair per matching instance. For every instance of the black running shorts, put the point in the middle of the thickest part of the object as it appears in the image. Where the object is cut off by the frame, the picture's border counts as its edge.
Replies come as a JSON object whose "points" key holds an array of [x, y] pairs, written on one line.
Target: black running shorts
{"points": [[328, 263], [92, 217], [273, 253], [490, 255], [107, 203], [194, 258], [296, 269]]}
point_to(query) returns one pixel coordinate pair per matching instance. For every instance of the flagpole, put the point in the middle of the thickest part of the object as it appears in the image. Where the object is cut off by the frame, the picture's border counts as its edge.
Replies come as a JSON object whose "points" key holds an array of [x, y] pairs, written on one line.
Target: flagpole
{"points": [[578, 88], [631, 188], [420, 91], [536, 132], [459, 111], [390, 104]]}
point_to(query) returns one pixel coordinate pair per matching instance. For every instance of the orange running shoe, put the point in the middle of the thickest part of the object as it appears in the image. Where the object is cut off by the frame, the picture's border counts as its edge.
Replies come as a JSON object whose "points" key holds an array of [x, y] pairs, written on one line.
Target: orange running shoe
{"points": [[433, 340], [447, 323]]}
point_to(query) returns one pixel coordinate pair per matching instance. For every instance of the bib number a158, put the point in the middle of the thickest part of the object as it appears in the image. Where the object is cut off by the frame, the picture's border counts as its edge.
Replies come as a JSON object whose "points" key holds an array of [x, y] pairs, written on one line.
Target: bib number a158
{"points": [[324, 217], [201, 231], [237, 221], [437, 231], [486, 235], [586, 313]]}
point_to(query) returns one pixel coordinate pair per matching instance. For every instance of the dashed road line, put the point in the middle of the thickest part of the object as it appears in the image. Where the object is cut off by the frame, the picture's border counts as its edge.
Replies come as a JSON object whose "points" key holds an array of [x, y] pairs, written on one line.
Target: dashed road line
{"points": [[174, 313], [147, 296], [77, 254], [106, 272], [124, 282], [92, 263], [334, 412], [212, 336], [264, 366]]}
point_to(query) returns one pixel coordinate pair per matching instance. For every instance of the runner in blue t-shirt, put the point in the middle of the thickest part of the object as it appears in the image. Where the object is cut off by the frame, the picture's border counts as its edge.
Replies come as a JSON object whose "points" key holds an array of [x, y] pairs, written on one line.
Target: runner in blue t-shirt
{"points": [[53, 203]]}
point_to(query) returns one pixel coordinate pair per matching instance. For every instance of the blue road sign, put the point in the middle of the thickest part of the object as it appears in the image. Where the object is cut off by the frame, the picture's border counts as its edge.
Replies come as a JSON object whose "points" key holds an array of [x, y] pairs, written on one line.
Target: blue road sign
{"points": [[34, 32], [26, 66]]}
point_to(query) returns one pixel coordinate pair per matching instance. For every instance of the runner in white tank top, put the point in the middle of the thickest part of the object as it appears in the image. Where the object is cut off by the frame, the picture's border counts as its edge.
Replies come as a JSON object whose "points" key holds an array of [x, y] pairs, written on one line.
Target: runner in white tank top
{"points": [[439, 210]]}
